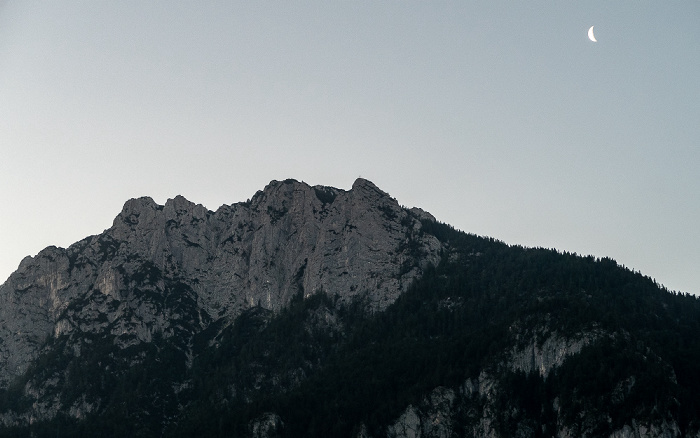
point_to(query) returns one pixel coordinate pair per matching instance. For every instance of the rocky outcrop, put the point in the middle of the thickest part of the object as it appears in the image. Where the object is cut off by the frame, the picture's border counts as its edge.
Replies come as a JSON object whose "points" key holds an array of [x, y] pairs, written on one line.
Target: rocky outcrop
{"points": [[471, 411], [267, 425], [637, 430], [31, 301], [542, 355], [175, 268], [479, 407], [433, 418]]}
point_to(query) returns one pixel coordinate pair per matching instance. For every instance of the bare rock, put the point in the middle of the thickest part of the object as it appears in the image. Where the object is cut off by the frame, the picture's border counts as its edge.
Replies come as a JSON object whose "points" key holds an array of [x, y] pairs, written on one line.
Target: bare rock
{"points": [[541, 356], [266, 426], [176, 268], [432, 418]]}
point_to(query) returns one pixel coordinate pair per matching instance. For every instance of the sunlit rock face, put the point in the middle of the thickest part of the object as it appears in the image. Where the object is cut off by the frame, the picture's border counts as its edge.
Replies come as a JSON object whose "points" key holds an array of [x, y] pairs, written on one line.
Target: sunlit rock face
{"points": [[173, 269]]}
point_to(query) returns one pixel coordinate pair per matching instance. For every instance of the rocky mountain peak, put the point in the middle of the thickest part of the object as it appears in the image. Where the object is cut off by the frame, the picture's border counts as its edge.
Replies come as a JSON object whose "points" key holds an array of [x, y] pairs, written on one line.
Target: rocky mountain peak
{"points": [[134, 208], [291, 238], [367, 186]]}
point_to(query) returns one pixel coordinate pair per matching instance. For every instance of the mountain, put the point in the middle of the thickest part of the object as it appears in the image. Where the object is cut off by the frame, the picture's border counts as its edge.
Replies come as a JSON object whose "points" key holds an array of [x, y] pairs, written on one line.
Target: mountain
{"points": [[314, 311]]}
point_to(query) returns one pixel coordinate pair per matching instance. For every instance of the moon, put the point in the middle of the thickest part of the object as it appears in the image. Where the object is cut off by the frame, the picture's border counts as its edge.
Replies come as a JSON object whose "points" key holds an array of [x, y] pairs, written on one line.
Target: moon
{"points": [[591, 36]]}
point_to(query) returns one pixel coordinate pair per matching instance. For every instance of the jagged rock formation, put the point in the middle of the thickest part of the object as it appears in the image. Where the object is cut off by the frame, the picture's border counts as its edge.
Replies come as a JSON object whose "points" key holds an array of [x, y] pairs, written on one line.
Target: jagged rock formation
{"points": [[433, 418], [290, 237], [541, 356]]}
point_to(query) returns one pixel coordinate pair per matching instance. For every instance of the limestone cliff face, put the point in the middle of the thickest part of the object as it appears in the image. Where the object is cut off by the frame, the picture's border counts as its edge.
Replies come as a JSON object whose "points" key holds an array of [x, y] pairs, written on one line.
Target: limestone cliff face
{"points": [[30, 302], [175, 269]]}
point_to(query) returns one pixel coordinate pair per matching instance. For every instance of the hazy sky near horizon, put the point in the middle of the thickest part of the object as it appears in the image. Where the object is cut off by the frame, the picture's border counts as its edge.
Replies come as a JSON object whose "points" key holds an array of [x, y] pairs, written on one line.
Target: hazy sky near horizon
{"points": [[500, 118]]}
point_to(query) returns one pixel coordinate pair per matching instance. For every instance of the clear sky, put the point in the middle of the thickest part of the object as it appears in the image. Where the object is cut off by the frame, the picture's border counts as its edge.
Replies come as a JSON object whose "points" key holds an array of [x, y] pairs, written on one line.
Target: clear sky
{"points": [[500, 118]]}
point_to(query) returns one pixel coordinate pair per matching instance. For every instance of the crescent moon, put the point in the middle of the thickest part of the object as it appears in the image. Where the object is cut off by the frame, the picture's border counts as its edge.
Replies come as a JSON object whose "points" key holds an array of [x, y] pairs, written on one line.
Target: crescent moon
{"points": [[591, 36]]}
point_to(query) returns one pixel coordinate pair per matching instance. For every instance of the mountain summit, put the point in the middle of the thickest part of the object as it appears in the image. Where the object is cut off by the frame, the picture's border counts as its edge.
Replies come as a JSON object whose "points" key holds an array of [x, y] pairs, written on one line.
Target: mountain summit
{"points": [[288, 238], [315, 311]]}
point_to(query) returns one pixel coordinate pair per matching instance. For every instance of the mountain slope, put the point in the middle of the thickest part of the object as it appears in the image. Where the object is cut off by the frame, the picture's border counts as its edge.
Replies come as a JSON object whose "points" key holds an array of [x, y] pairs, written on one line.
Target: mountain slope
{"points": [[311, 311]]}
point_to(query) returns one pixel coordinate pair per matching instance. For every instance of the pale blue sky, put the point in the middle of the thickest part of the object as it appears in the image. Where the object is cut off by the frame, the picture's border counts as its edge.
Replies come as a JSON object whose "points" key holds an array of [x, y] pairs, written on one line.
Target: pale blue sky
{"points": [[500, 118]]}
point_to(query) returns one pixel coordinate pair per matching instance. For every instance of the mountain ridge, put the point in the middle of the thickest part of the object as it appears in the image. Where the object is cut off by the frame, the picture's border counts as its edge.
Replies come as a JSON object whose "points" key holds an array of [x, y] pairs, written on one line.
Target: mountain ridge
{"points": [[315, 311], [317, 243]]}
